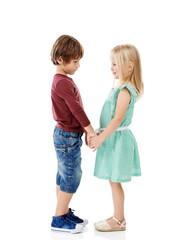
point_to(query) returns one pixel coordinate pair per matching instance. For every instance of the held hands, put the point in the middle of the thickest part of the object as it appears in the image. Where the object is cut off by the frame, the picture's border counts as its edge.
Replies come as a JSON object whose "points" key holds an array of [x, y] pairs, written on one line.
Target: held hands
{"points": [[92, 139], [87, 137], [95, 141]]}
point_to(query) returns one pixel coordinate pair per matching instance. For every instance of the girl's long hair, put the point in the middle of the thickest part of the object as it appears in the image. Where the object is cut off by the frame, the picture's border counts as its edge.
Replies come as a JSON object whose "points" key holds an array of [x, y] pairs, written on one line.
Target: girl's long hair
{"points": [[123, 55]]}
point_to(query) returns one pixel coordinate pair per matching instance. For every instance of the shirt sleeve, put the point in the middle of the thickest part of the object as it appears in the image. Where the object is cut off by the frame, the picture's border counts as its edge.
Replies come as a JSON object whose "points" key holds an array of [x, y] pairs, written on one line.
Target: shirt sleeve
{"points": [[65, 90]]}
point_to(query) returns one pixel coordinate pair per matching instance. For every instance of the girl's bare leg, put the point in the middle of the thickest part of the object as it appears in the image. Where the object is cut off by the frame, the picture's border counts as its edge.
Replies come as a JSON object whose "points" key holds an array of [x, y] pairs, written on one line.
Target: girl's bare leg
{"points": [[118, 202]]}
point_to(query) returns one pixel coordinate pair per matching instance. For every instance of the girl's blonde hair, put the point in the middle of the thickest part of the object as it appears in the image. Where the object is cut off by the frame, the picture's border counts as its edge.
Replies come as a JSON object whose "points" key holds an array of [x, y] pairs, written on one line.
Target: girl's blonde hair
{"points": [[123, 55]]}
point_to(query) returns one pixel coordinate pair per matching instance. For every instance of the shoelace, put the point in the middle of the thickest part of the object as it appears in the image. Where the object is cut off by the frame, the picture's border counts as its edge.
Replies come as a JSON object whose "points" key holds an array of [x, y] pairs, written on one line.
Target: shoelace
{"points": [[71, 212]]}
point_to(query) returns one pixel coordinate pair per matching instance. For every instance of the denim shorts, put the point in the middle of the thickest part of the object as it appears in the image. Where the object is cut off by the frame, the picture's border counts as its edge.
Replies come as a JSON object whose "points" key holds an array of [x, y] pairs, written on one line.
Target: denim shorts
{"points": [[68, 151]]}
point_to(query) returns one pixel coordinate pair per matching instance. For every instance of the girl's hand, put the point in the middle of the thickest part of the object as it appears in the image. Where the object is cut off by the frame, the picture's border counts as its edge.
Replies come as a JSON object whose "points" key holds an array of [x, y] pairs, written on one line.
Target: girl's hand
{"points": [[95, 142]]}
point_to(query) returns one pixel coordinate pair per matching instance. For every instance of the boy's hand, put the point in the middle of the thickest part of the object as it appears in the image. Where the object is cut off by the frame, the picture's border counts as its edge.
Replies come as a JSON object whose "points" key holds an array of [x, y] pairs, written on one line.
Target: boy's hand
{"points": [[88, 137], [95, 141], [90, 132]]}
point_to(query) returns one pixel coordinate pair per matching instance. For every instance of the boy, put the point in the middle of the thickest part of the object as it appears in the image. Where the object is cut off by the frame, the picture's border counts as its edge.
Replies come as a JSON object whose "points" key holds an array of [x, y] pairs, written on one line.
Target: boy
{"points": [[71, 121]]}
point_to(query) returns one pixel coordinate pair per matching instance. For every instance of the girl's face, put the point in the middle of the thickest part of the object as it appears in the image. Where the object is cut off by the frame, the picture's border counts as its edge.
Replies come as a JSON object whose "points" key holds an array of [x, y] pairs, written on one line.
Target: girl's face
{"points": [[114, 68]]}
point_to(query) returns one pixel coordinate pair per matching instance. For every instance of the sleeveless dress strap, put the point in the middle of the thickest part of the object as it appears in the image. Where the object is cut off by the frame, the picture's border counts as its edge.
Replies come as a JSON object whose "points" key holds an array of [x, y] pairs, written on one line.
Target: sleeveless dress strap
{"points": [[130, 89]]}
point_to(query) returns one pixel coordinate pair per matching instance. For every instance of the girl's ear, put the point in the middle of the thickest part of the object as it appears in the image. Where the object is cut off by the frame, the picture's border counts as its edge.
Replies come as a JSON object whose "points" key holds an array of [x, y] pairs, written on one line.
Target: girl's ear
{"points": [[131, 66], [60, 60]]}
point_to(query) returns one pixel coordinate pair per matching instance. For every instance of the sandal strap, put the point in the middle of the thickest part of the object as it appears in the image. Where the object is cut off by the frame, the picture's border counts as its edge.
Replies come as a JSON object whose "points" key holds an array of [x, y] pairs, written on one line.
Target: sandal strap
{"points": [[117, 221], [122, 224]]}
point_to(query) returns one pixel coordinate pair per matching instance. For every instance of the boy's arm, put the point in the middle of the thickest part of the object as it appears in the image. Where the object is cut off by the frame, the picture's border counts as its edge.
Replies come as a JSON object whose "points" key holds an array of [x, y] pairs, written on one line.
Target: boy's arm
{"points": [[70, 99], [89, 131]]}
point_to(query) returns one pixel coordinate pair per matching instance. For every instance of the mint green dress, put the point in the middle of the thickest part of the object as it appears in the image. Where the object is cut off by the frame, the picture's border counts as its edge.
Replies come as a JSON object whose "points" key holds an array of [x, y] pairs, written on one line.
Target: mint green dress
{"points": [[117, 159]]}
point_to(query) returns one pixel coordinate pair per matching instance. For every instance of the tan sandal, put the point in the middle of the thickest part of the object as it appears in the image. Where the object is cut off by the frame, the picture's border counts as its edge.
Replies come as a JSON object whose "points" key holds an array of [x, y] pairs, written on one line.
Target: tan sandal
{"points": [[105, 227]]}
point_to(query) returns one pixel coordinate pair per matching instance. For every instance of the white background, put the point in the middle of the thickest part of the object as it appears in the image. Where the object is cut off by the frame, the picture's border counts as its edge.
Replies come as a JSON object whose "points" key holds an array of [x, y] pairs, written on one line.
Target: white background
{"points": [[155, 202]]}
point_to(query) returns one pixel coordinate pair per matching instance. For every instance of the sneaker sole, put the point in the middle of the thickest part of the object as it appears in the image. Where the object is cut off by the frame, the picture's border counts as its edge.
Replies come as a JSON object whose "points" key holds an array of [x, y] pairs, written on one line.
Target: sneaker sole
{"points": [[84, 223], [76, 230]]}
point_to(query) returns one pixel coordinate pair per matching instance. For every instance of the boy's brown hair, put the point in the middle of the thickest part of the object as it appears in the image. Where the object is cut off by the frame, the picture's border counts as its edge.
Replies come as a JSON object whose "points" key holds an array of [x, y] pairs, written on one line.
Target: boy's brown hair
{"points": [[68, 48]]}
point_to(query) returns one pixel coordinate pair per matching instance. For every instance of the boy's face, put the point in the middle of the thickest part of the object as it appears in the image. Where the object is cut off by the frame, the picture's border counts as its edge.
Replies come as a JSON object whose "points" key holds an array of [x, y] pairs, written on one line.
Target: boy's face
{"points": [[70, 68]]}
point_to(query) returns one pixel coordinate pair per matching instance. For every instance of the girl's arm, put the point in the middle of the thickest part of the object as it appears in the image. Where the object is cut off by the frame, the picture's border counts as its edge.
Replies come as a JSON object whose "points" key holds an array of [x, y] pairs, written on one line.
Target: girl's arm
{"points": [[121, 108]]}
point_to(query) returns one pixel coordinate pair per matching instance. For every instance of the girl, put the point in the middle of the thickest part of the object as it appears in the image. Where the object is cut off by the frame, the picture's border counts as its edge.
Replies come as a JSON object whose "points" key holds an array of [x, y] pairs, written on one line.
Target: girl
{"points": [[117, 158]]}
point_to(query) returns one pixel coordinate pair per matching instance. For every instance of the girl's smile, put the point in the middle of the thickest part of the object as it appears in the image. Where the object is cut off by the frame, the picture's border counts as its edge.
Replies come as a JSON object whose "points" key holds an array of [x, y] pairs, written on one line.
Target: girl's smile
{"points": [[114, 68]]}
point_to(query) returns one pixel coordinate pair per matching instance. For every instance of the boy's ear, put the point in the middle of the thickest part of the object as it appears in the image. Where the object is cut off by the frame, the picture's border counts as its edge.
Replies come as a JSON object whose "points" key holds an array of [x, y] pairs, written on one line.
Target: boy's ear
{"points": [[131, 66], [60, 60]]}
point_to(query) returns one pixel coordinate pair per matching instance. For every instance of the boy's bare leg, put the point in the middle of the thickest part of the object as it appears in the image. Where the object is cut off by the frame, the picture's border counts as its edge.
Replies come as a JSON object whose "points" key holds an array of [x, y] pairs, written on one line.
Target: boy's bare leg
{"points": [[62, 203], [57, 190], [118, 201]]}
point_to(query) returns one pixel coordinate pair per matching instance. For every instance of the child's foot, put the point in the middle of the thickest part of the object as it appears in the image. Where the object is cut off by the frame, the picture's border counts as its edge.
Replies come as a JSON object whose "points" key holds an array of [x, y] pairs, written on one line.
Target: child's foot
{"points": [[102, 221], [63, 224], [111, 225], [75, 219]]}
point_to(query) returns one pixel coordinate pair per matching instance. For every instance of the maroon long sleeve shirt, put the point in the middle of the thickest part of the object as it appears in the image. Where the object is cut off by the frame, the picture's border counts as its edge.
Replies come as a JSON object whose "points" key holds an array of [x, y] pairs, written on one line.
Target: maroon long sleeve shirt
{"points": [[67, 106]]}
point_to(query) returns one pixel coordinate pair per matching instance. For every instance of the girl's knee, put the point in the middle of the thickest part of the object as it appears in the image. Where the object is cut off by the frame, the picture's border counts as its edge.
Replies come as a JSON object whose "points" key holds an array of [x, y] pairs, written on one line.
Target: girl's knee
{"points": [[114, 184]]}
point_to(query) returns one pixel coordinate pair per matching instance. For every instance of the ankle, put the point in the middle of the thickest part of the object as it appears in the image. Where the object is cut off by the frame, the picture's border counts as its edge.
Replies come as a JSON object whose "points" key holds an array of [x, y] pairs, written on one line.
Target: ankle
{"points": [[119, 218], [61, 213]]}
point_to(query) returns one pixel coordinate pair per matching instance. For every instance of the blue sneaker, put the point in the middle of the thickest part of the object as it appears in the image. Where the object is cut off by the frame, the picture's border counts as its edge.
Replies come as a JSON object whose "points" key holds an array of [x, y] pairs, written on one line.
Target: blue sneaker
{"points": [[63, 224], [75, 219]]}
